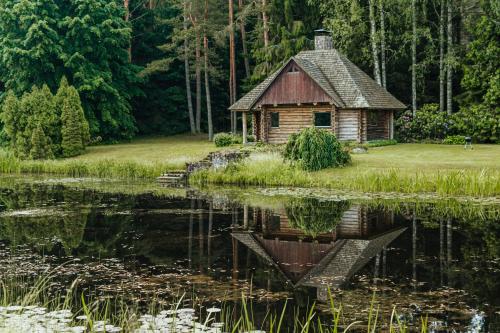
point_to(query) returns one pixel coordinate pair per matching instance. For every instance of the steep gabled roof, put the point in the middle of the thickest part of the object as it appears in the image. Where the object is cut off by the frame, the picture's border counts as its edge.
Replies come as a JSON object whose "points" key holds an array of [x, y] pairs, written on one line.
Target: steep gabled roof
{"points": [[344, 82], [345, 258]]}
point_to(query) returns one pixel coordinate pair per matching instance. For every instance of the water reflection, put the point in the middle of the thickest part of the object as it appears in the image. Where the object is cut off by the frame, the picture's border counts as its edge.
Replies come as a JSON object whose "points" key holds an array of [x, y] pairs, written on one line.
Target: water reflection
{"points": [[442, 258], [318, 244]]}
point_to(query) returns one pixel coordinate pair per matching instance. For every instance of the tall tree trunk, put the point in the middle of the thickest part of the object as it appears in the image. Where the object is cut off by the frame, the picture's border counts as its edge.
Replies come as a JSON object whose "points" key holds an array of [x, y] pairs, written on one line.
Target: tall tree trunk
{"points": [[244, 40], [449, 62], [265, 25], [126, 5], [373, 39], [232, 64], [198, 81], [186, 73], [382, 43], [207, 81], [414, 57], [442, 71]]}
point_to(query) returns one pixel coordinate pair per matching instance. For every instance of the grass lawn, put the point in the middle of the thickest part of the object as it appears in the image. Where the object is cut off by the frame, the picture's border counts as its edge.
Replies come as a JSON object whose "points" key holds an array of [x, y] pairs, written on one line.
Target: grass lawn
{"points": [[405, 168], [173, 151], [427, 157]]}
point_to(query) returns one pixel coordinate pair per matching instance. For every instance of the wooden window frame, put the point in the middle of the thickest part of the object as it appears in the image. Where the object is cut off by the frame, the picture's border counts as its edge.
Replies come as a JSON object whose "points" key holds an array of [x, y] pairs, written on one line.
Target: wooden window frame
{"points": [[329, 122], [271, 116]]}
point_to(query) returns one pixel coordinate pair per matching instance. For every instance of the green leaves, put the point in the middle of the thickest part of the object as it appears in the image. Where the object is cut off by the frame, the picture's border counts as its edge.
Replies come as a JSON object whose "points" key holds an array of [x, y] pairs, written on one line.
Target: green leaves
{"points": [[41, 125], [315, 149], [86, 40]]}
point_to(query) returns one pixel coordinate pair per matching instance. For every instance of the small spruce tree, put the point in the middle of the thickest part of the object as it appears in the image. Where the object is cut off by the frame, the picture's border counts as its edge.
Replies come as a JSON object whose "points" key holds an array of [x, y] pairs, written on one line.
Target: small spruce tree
{"points": [[9, 117], [40, 145], [75, 128]]}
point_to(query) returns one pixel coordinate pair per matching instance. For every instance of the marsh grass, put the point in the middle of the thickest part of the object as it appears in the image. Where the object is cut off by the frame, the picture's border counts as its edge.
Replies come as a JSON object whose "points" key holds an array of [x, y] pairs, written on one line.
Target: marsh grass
{"points": [[269, 169], [84, 168], [123, 315]]}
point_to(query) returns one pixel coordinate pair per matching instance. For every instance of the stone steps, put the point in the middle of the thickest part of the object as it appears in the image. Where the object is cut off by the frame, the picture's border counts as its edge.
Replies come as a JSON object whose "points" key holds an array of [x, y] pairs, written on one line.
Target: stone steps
{"points": [[173, 178]]}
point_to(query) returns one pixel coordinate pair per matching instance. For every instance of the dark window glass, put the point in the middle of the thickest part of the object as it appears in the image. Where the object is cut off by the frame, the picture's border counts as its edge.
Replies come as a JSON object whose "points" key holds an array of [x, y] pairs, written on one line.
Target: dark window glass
{"points": [[275, 119], [293, 69], [374, 118], [322, 119]]}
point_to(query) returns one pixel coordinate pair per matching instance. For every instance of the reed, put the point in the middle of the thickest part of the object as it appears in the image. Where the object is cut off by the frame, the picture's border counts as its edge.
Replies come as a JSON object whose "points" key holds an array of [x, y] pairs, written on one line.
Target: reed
{"points": [[271, 170], [84, 168], [117, 314]]}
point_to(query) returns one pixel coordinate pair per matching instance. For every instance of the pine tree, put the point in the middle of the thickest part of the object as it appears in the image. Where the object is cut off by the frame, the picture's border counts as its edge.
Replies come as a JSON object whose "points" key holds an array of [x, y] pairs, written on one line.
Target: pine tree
{"points": [[74, 129], [40, 147]]}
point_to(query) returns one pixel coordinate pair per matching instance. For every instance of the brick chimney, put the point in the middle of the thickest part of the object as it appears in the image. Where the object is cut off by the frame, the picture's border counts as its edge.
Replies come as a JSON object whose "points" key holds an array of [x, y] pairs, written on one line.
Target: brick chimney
{"points": [[322, 40]]}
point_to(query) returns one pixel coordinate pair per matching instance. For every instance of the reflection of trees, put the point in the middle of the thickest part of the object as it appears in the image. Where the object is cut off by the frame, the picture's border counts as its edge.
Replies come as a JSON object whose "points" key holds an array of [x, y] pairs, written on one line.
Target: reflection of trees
{"points": [[46, 227], [313, 216]]}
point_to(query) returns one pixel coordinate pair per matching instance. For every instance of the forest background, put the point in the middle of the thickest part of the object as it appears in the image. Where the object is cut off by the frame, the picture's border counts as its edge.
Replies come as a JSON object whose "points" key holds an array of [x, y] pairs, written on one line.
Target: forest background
{"points": [[160, 67]]}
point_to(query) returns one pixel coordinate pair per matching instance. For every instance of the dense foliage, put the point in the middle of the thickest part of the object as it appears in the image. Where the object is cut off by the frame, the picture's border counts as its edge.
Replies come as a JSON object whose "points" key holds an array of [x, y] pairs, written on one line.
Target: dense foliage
{"points": [[223, 139], [454, 140], [313, 216], [477, 121], [84, 40], [127, 58], [40, 125], [315, 149]]}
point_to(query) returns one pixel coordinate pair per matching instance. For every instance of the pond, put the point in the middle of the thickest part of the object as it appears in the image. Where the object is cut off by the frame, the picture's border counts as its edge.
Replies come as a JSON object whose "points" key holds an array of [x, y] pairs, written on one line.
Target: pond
{"points": [[431, 258]]}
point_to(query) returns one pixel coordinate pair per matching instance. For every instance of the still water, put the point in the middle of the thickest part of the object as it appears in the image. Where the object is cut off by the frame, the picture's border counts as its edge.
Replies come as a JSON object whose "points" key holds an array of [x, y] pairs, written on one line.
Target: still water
{"points": [[438, 258]]}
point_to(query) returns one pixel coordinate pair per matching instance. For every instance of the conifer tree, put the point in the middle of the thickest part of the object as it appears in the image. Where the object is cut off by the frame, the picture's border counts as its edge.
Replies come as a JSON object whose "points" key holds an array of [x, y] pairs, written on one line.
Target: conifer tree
{"points": [[40, 147], [75, 129], [9, 117]]}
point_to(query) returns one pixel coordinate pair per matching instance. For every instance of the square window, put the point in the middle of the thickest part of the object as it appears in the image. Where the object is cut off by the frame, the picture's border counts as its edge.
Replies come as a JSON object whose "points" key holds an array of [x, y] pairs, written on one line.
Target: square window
{"points": [[322, 119], [275, 119]]}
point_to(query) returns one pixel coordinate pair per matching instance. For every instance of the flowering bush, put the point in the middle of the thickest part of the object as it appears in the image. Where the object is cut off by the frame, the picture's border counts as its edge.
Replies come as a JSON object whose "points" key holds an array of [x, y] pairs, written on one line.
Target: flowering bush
{"points": [[479, 122], [428, 123]]}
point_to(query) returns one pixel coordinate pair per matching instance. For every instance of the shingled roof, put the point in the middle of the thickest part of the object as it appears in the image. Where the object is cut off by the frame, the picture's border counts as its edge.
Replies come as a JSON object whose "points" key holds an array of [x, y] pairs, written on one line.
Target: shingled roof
{"points": [[343, 81]]}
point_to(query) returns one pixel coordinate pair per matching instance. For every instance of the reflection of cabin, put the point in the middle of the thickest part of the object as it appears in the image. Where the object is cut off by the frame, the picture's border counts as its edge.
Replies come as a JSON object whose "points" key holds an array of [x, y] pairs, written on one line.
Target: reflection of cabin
{"points": [[319, 88], [331, 258]]}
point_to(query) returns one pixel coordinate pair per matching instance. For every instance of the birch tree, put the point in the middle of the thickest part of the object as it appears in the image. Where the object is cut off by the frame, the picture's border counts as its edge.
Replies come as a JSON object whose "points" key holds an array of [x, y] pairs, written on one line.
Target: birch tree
{"points": [[207, 80], [198, 79], [232, 64], [414, 57], [373, 39], [382, 44], [126, 5], [449, 60], [442, 71], [186, 70], [243, 32]]}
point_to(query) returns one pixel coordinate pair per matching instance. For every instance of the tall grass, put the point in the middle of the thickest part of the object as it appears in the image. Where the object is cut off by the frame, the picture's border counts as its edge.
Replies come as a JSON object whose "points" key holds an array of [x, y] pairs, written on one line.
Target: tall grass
{"points": [[127, 315], [84, 168], [271, 170]]}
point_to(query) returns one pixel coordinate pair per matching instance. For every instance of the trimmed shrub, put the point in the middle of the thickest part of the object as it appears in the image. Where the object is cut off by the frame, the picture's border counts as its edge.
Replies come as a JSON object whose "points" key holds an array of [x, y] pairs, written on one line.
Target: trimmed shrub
{"points": [[315, 149], [454, 140], [381, 143], [223, 139]]}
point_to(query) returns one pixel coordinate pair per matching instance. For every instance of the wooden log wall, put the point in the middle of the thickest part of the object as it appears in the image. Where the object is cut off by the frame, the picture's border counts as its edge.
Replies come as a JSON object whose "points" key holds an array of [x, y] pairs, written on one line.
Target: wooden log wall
{"points": [[348, 125], [378, 125], [291, 120]]}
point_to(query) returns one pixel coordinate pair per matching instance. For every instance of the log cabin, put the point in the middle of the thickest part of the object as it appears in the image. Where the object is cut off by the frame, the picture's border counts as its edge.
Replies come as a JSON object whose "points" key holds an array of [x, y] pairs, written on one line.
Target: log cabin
{"points": [[319, 88], [326, 261]]}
